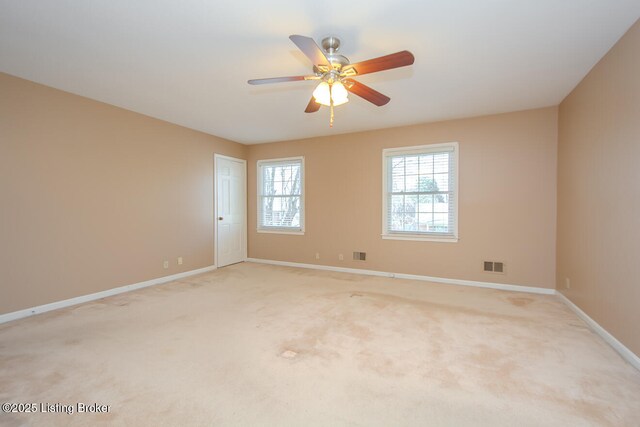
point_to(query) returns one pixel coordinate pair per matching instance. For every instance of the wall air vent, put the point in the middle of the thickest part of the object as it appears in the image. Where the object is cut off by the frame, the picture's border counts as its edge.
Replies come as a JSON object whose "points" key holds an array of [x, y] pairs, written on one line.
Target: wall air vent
{"points": [[493, 267], [360, 256]]}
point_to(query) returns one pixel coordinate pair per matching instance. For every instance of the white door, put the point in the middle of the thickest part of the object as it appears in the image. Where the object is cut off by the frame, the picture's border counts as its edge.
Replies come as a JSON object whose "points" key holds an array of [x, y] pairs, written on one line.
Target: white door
{"points": [[230, 210]]}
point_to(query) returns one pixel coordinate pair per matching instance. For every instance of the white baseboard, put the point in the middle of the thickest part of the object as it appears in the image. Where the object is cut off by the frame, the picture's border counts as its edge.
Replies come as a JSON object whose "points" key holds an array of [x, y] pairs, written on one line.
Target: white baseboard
{"points": [[98, 295], [626, 354], [500, 286]]}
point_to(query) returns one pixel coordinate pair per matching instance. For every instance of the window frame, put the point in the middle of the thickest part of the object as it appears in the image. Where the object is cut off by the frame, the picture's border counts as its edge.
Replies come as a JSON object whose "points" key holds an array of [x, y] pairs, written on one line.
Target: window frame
{"points": [[421, 149], [280, 230]]}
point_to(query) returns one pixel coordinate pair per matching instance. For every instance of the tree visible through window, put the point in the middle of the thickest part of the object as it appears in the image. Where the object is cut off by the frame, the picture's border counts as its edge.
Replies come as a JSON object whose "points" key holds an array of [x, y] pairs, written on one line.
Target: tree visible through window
{"points": [[420, 191], [280, 199]]}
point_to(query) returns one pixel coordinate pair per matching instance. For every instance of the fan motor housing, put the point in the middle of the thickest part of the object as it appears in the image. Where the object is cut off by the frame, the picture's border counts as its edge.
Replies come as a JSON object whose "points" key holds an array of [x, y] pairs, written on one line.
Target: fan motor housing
{"points": [[338, 60]]}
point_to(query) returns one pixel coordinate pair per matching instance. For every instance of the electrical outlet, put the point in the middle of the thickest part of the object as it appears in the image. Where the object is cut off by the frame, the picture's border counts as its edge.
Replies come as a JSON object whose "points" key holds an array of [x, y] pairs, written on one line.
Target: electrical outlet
{"points": [[165, 264], [341, 257], [567, 283], [179, 260], [317, 255]]}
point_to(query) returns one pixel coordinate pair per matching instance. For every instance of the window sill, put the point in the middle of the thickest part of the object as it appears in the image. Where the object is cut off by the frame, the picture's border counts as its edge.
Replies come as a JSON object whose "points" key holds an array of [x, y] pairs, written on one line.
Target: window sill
{"points": [[418, 238], [296, 233]]}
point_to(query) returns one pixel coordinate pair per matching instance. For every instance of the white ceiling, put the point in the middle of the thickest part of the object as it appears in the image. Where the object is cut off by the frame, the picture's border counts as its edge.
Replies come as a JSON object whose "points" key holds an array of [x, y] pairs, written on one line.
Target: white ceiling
{"points": [[187, 61]]}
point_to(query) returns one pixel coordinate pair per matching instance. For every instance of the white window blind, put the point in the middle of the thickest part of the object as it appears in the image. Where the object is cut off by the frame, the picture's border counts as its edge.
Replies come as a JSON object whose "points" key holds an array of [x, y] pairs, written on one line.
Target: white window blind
{"points": [[420, 192], [280, 195]]}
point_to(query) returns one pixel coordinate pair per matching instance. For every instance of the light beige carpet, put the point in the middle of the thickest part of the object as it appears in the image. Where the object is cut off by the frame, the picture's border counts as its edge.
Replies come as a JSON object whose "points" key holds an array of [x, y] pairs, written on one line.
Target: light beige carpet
{"points": [[258, 345]]}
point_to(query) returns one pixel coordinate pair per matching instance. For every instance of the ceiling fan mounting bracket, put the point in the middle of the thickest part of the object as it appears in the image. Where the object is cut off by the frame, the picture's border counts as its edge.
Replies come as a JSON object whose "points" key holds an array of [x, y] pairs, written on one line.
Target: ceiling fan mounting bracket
{"points": [[331, 44]]}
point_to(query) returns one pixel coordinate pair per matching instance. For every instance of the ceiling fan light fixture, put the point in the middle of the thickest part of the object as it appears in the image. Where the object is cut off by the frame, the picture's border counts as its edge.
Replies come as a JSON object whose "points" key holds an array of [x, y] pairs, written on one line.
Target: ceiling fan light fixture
{"points": [[325, 93]]}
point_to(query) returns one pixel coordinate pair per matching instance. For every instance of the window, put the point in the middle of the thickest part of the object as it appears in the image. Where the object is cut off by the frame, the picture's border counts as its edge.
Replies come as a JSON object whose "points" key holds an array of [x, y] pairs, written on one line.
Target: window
{"points": [[281, 195], [420, 193]]}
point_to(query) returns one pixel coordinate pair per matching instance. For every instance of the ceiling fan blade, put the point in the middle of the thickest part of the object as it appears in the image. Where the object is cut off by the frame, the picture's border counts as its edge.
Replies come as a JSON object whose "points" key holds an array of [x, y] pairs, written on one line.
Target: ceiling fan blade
{"points": [[280, 79], [311, 49], [312, 106], [387, 62], [365, 92]]}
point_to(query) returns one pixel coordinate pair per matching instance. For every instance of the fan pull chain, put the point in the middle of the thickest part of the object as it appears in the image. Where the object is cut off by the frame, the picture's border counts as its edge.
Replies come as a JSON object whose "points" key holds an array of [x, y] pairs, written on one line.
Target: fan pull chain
{"points": [[331, 120], [331, 106]]}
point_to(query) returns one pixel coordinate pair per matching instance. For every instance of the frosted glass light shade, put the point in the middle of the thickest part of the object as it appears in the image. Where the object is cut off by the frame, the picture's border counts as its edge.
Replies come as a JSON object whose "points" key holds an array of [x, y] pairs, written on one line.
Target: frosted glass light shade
{"points": [[338, 92], [322, 94]]}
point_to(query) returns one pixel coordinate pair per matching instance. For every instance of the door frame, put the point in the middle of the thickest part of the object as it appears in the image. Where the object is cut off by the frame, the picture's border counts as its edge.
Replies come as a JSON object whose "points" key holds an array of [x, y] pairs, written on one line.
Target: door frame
{"points": [[217, 156]]}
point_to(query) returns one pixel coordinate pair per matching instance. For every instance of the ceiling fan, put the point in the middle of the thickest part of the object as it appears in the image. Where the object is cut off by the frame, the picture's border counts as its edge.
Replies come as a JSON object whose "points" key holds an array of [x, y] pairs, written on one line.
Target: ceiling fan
{"points": [[335, 73]]}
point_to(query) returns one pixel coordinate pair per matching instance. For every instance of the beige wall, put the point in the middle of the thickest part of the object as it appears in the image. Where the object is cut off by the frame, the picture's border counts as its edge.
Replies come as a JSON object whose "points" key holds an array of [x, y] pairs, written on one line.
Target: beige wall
{"points": [[599, 192], [507, 203], [93, 197]]}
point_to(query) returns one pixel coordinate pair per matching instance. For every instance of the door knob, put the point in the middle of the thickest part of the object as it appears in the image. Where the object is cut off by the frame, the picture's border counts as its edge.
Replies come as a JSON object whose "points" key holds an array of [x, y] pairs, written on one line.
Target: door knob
{"points": [[220, 218]]}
